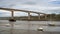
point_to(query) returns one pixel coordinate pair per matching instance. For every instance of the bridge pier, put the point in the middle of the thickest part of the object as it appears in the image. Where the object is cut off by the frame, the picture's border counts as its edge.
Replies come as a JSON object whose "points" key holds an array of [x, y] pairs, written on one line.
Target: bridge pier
{"points": [[45, 16], [28, 15], [39, 16], [12, 16]]}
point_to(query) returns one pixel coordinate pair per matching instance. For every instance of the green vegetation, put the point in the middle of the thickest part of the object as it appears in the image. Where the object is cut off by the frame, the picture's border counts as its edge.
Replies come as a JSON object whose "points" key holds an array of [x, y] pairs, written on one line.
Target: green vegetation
{"points": [[52, 17], [55, 17]]}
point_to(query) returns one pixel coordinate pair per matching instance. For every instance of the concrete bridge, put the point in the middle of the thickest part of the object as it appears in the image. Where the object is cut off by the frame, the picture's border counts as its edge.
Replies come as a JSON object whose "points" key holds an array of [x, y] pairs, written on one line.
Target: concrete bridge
{"points": [[13, 10]]}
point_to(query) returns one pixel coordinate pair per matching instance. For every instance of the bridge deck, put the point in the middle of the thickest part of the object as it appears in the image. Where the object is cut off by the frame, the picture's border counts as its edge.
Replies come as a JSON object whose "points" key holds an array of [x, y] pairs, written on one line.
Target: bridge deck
{"points": [[10, 9]]}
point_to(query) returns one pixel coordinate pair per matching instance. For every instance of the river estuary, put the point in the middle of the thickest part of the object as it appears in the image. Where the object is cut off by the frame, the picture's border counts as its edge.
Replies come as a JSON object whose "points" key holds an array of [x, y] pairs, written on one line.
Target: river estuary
{"points": [[29, 27]]}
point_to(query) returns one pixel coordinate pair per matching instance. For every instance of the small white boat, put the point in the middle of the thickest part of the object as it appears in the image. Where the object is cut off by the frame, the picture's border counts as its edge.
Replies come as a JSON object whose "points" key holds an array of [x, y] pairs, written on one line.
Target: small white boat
{"points": [[51, 24], [40, 29]]}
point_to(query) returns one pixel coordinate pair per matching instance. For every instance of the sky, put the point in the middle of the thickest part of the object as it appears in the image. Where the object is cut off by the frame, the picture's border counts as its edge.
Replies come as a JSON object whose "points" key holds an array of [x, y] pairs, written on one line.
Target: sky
{"points": [[44, 6]]}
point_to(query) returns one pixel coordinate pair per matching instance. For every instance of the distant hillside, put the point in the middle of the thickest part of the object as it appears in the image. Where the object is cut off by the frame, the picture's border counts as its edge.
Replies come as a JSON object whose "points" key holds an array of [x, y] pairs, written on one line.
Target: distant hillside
{"points": [[52, 17]]}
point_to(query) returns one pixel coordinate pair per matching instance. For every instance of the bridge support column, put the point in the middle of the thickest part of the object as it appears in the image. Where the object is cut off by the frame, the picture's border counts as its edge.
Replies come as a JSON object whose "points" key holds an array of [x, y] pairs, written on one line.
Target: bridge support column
{"points": [[45, 16], [39, 16], [12, 16], [29, 15]]}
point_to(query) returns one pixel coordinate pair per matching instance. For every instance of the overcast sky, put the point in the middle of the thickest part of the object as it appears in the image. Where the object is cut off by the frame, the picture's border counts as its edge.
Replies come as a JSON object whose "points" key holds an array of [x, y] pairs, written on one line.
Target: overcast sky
{"points": [[44, 6]]}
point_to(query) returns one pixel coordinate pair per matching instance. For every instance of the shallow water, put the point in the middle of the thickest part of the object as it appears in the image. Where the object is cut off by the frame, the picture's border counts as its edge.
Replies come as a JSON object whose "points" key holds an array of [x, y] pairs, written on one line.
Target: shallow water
{"points": [[22, 27]]}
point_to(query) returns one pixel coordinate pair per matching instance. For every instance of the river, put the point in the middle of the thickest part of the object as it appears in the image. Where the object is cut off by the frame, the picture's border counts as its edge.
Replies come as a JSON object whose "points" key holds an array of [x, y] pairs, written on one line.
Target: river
{"points": [[22, 27]]}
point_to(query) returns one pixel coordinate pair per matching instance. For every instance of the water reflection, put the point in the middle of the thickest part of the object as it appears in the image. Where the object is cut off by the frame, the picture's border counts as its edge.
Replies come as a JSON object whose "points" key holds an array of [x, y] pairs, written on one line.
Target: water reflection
{"points": [[28, 27]]}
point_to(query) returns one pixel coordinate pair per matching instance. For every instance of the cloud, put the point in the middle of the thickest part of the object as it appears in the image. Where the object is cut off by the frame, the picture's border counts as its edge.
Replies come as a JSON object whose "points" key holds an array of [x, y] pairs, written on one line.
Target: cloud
{"points": [[30, 3], [55, 2]]}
